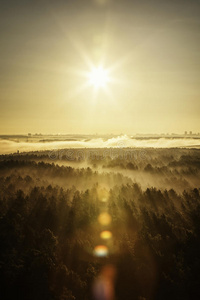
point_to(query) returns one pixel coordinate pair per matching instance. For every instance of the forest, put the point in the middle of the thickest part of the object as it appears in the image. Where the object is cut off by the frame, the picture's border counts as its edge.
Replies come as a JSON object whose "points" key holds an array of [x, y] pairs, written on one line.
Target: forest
{"points": [[102, 224]]}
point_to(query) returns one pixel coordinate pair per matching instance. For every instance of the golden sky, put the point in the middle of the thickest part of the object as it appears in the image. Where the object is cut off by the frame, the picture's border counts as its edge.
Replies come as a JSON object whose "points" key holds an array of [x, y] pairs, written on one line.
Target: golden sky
{"points": [[151, 49]]}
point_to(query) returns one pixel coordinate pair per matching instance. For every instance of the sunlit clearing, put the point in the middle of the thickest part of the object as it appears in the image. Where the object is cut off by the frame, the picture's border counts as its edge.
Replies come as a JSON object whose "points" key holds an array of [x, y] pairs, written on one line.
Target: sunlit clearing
{"points": [[101, 251], [106, 235], [98, 77], [104, 219]]}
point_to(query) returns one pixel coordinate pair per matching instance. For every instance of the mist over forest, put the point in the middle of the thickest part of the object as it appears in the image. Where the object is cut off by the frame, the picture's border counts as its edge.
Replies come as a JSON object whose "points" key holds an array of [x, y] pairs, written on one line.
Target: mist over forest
{"points": [[100, 223], [26, 143], [99, 150]]}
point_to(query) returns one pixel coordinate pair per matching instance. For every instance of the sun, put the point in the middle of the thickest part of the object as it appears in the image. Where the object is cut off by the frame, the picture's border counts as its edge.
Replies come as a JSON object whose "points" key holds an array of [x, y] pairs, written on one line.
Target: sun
{"points": [[98, 77]]}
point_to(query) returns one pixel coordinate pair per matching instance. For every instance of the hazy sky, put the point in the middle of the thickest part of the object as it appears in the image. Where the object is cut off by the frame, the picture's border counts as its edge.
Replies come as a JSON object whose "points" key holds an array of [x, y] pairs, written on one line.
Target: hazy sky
{"points": [[151, 47]]}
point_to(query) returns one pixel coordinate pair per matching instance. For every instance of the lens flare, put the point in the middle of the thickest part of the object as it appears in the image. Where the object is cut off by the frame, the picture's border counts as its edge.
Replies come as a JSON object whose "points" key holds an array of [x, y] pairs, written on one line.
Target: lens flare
{"points": [[104, 218], [106, 235], [104, 284], [101, 251], [104, 199]]}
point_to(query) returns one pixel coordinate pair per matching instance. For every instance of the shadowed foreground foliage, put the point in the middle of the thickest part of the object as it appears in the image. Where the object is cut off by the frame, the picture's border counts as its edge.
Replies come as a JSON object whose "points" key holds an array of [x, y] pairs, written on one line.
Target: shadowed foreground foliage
{"points": [[48, 233]]}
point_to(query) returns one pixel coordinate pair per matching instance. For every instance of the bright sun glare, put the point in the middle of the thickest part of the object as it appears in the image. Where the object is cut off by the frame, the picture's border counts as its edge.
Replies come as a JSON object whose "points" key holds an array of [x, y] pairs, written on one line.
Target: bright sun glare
{"points": [[98, 77]]}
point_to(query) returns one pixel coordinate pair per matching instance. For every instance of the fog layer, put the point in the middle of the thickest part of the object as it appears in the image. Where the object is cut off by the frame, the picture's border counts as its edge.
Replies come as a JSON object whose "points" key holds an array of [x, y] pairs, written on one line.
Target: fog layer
{"points": [[8, 146]]}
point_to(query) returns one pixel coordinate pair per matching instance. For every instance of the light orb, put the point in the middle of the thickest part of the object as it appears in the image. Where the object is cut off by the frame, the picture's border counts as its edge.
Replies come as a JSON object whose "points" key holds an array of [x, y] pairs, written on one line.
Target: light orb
{"points": [[98, 77]]}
